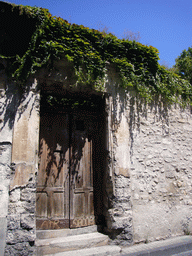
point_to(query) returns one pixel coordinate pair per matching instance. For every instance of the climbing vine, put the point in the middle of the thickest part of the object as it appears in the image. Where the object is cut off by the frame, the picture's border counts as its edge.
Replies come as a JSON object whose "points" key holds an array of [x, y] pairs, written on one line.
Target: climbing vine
{"points": [[89, 50]]}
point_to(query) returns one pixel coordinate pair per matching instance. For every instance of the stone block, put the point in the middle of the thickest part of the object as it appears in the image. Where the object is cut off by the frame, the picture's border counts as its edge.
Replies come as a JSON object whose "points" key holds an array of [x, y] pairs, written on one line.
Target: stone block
{"points": [[16, 208], [29, 207], [27, 221], [122, 223], [5, 152], [28, 194], [122, 182], [14, 196], [13, 222], [20, 249], [20, 235]]}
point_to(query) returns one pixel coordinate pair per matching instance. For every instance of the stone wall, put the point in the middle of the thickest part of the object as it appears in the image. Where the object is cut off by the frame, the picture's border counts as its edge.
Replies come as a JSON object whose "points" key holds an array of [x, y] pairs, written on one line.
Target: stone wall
{"points": [[20, 239], [8, 108], [5, 170], [161, 170], [151, 154]]}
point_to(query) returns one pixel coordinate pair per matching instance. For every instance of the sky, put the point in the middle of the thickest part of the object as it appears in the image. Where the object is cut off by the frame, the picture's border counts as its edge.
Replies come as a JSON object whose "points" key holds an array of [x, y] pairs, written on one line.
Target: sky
{"points": [[164, 24]]}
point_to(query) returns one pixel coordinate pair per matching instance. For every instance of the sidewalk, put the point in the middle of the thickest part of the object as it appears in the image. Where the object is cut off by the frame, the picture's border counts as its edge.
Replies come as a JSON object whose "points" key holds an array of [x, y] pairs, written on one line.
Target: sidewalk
{"points": [[178, 246]]}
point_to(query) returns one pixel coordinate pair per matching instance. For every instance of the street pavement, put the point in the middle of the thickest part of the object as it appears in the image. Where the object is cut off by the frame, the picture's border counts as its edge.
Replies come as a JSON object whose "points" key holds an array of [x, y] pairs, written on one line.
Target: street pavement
{"points": [[178, 246]]}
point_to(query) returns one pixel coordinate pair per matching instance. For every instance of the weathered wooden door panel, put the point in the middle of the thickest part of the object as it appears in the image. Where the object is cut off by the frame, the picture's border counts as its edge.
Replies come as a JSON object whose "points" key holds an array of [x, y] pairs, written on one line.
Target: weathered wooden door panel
{"points": [[65, 181], [53, 176], [81, 188]]}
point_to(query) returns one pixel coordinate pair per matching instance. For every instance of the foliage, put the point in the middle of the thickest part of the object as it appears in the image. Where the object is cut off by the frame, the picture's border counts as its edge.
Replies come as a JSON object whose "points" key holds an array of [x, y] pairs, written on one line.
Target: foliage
{"points": [[183, 65], [90, 50]]}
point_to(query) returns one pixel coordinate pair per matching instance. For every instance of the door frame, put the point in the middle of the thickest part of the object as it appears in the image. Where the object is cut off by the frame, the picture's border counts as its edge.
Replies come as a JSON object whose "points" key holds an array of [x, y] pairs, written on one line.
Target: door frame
{"points": [[99, 213]]}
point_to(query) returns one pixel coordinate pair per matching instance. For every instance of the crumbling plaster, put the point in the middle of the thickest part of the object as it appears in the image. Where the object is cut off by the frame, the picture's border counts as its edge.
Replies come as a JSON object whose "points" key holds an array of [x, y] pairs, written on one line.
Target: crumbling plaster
{"points": [[8, 105], [151, 167], [161, 173], [18, 163]]}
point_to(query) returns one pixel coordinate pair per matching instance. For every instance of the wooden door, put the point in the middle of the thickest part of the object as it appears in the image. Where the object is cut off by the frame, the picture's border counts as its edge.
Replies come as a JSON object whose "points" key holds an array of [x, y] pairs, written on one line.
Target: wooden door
{"points": [[52, 202], [81, 171], [65, 179]]}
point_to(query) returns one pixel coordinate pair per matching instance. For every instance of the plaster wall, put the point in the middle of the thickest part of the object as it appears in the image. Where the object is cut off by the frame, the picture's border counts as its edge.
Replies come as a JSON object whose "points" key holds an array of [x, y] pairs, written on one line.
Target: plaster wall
{"points": [[21, 231], [161, 172], [152, 145], [150, 151]]}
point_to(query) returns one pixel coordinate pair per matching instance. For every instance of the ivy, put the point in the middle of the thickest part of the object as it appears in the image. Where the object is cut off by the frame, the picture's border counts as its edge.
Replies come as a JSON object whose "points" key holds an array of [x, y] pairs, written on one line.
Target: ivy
{"points": [[89, 50]]}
